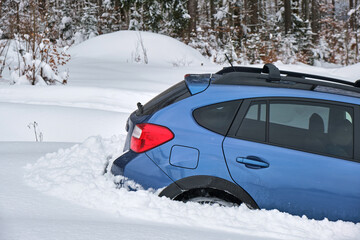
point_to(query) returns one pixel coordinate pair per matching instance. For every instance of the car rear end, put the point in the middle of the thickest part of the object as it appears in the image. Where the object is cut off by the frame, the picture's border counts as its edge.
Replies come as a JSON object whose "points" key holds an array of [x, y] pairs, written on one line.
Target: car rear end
{"points": [[144, 134]]}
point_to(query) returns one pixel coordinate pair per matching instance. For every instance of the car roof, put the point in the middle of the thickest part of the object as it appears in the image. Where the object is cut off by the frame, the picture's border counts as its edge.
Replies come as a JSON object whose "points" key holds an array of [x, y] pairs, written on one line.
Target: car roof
{"points": [[271, 76]]}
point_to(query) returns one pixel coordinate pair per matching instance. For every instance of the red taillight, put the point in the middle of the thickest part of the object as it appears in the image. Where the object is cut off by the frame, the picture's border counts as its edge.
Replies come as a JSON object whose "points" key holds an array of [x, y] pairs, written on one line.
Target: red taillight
{"points": [[146, 136]]}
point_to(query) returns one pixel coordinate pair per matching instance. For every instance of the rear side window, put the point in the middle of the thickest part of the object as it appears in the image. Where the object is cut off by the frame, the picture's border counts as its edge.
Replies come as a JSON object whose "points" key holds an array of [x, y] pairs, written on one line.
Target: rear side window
{"points": [[254, 123], [217, 117], [174, 94], [318, 127]]}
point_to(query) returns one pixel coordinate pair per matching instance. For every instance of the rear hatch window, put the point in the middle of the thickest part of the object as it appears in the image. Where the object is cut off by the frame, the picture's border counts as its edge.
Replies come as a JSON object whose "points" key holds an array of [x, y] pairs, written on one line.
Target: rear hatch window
{"points": [[174, 94]]}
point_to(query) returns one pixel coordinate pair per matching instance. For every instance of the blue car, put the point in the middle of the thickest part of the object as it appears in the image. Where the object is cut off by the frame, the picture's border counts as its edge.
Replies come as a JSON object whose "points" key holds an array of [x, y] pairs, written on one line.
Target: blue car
{"points": [[267, 138]]}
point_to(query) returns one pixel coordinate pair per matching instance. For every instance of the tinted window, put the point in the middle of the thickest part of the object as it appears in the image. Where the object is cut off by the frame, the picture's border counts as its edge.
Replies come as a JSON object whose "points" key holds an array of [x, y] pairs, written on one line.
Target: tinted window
{"points": [[309, 126], [253, 125], [314, 127], [175, 93], [217, 117]]}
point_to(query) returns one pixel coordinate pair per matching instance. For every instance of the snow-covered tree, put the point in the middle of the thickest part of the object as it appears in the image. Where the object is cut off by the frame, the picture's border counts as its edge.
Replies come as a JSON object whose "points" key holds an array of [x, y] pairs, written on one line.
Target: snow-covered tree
{"points": [[248, 31], [177, 17], [153, 17], [89, 20]]}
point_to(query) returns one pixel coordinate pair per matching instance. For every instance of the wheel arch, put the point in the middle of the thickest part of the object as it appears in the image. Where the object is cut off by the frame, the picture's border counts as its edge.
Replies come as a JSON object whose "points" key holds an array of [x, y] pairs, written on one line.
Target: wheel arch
{"points": [[185, 185]]}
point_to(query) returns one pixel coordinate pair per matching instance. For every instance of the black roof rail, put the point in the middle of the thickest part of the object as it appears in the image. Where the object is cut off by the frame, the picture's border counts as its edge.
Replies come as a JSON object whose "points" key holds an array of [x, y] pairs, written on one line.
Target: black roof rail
{"points": [[357, 83], [273, 71], [323, 78], [275, 74]]}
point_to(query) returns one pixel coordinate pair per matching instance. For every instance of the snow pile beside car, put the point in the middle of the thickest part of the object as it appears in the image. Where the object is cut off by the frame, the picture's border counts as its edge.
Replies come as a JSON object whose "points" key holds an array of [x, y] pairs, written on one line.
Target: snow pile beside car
{"points": [[77, 174], [139, 47]]}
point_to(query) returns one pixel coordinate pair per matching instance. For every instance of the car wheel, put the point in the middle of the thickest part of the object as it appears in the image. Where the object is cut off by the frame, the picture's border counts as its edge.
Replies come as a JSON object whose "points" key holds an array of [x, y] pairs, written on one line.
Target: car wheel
{"points": [[212, 201], [209, 196]]}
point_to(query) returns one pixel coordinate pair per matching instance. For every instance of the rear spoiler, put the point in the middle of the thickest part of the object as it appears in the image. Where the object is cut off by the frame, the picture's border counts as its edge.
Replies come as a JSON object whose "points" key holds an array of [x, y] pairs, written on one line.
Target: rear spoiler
{"points": [[198, 83]]}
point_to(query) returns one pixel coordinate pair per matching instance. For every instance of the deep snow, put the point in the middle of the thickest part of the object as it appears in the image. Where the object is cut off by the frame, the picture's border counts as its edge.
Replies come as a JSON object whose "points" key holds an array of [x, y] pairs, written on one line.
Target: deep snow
{"points": [[28, 214], [76, 174], [48, 193]]}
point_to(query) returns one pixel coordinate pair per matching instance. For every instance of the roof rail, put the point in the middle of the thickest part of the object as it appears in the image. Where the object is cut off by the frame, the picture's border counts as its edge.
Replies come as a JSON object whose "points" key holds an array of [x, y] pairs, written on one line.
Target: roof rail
{"points": [[275, 74], [273, 71], [357, 83]]}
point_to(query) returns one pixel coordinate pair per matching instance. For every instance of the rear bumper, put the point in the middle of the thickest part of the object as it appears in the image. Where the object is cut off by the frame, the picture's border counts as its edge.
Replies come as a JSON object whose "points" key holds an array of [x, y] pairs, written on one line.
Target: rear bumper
{"points": [[141, 169]]}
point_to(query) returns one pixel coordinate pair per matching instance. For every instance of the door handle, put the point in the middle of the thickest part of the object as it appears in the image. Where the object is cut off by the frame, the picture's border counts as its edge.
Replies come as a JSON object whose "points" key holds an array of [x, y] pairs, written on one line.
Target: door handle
{"points": [[252, 162]]}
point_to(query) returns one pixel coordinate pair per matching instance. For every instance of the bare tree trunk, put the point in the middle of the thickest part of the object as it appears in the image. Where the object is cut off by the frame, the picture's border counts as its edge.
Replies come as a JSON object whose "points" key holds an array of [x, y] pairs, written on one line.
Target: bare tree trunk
{"points": [[231, 15], [237, 22], [212, 12], [276, 6], [287, 6], [346, 43], [33, 32], [355, 32], [192, 9], [352, 20], [253, 14], [99, 12], [1, 2], [220, 29], [100, 9], [17, 17], [315, 17], [306, 9]]}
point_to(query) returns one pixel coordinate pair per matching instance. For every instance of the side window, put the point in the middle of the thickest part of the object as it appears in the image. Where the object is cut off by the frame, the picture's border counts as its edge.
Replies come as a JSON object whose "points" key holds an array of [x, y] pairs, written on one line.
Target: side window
{"points": [[254, 123], [308, 126], [321, 128], [297, 114], [217, 117]]}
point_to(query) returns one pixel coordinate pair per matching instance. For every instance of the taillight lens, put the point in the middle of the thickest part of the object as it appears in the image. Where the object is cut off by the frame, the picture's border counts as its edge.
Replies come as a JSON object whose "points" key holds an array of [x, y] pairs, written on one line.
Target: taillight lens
{"points": [[146, 136]]}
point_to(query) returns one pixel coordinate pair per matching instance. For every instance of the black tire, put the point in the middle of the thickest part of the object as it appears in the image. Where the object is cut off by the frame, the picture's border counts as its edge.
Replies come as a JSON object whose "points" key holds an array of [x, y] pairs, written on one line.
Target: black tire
{"points": [[209, 196], [212, 201], [208, 186]]}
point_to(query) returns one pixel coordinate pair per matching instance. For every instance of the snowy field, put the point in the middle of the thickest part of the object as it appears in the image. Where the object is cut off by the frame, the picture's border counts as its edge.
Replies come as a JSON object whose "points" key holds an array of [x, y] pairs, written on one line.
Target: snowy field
{"points": [[56, 189]]}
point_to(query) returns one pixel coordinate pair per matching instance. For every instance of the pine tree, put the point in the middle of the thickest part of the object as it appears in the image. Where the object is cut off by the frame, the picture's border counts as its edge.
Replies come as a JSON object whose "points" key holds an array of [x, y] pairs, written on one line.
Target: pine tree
{"points": [[107, 21], [67, 25], [136, 22], [89, 20], [153, 15], [301, 33], [6, 15], [177, 17]]}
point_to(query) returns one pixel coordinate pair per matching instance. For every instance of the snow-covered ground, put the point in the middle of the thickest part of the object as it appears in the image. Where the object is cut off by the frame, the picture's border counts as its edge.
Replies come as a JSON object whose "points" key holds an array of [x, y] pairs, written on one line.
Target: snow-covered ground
{"points": [[56, 189]]}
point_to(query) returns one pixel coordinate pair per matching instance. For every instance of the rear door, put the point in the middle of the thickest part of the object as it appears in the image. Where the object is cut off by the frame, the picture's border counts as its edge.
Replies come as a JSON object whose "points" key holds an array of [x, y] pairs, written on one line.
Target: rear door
{"points": [[297, 156]]}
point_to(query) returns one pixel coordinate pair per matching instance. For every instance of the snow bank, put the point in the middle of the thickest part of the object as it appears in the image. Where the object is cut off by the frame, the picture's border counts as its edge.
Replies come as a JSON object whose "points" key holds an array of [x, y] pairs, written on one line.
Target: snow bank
{"points": [[76, 174], [57, 123], [351, 72], [139, 47], [108, 99]]}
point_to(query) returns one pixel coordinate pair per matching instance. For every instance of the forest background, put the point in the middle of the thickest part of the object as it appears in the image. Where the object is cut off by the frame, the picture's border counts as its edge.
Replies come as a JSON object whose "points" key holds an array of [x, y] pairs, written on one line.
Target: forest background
{"points": [[314, 32]]}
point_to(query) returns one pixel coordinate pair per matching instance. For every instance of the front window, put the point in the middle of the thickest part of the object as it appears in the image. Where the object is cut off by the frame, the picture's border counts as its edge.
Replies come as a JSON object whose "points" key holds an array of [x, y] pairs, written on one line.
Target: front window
{"points": [[314, 127]]}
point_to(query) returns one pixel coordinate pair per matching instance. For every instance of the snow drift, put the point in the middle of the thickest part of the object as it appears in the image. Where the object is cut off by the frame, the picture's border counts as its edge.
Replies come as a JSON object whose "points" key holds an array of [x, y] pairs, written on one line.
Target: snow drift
{"points": [[139, 47], [76, 174]]}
